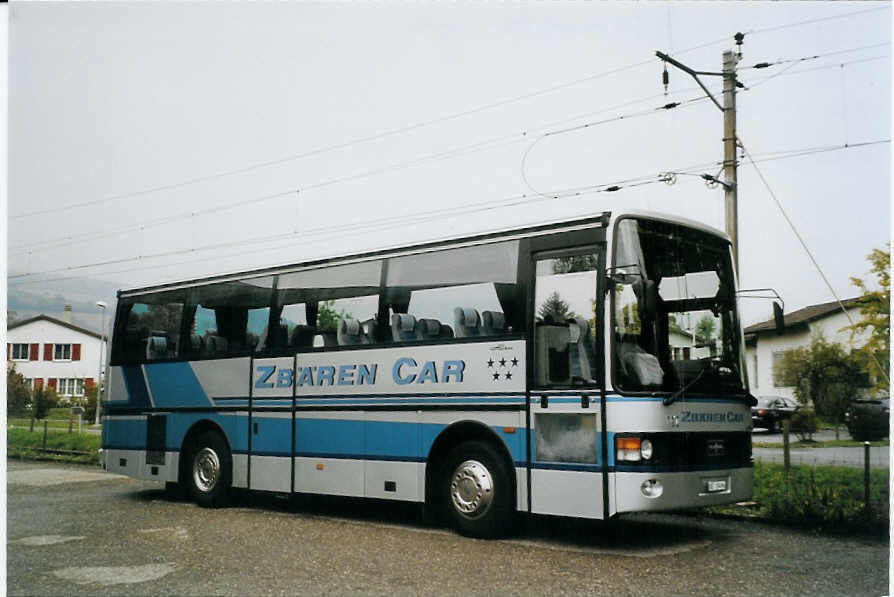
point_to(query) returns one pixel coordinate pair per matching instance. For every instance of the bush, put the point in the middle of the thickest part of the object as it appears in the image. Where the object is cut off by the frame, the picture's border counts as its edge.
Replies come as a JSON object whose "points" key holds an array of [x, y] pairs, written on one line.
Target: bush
{"points": [[804, 424], [21, 443], [821, 496]]}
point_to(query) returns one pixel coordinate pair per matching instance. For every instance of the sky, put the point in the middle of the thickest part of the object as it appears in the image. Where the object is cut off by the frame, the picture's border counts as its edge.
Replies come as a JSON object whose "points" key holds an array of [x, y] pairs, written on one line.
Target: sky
{"points": [[154, 142]]}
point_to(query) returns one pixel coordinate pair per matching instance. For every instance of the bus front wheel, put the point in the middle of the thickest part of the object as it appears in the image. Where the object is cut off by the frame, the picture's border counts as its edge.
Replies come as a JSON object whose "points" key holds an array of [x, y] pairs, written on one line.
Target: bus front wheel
{"points": [[210, 470], [477, 491]]}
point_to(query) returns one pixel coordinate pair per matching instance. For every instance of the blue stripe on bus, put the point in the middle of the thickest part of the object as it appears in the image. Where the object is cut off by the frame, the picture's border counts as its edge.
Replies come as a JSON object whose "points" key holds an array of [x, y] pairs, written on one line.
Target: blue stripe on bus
{"points": [[135, 385], [336, 438], [661, 399], [174, 384]]}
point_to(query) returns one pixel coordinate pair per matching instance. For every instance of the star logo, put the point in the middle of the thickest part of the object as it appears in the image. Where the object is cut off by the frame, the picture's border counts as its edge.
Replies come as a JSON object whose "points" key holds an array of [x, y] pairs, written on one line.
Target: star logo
{"points": [[508, 375], [496, 376], [490, 363], [515, 362], [502, 362]]}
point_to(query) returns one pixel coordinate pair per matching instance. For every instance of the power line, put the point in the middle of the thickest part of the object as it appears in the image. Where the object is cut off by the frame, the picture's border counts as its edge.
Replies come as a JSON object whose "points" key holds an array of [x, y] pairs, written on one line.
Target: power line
{"points": [[786, 71], [805, 247], [813, 21], [488, 144], [760, 65], [373, 225], [401, 130], [508, 202], [728, 38], [336, 146]]}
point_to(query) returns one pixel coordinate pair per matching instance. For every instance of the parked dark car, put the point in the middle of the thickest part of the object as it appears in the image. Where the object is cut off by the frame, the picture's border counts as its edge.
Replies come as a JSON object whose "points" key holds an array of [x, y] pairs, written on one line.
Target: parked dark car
{"points": [[868, 419], [771, 411]]}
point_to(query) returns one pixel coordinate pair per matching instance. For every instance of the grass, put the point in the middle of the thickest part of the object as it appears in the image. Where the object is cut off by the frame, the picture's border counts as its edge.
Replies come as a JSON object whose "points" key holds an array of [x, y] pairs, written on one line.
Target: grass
{"points": [[821, 496], [832, 443], [21, 443]]}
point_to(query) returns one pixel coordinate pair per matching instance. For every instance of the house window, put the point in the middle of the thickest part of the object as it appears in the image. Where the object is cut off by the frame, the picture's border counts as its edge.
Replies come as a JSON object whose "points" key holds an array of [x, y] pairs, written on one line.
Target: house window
{"points": [[20, 352], [70, 387], [62, 352], [777, 358]]}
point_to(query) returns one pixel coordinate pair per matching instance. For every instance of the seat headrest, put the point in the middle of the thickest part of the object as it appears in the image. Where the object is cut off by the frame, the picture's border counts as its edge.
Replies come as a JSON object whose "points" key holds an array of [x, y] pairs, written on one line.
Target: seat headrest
{"points": [[349, 327], [156, 347], [493, 320], [428, 328], [466, 317], [302, 336], [403, 322]]}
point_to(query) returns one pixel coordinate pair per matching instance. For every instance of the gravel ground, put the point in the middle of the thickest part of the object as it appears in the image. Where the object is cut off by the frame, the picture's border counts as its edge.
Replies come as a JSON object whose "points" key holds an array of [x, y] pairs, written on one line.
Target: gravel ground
{"points": [[116, 536]]}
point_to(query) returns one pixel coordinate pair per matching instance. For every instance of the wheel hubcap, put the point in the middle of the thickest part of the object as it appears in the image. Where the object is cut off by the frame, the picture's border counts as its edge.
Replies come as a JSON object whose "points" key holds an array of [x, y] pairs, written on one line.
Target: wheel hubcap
{"points": [[471, 489], [206, 469]]}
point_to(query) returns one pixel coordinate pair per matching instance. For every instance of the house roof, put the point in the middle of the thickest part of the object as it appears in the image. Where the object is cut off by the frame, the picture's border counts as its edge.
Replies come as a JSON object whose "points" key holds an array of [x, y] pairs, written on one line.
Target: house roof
{"points": [[64, 324], [803, 316]]}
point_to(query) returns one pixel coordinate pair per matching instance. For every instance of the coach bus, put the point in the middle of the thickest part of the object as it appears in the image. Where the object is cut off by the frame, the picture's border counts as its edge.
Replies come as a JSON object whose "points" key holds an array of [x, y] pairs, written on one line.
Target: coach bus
{"points": [[583, 368]]}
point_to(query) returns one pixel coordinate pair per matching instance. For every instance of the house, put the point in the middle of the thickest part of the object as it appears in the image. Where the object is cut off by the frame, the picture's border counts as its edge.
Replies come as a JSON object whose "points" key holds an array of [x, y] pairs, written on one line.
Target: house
{"points": [[55, 353], [764, 347]]}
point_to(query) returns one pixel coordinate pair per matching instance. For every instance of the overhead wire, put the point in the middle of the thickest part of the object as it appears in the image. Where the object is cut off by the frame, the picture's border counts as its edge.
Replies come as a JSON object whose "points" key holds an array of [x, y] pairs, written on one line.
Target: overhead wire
{"points": [[405, 129], [488, 144], [422, 217], [336, 146], [392, 222], [803, 243]]}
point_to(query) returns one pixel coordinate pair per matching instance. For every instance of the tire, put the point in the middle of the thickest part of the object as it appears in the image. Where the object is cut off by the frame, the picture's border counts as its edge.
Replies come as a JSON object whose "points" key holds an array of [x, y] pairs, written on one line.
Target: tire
{"points": [[210, 470], [477, 492]]}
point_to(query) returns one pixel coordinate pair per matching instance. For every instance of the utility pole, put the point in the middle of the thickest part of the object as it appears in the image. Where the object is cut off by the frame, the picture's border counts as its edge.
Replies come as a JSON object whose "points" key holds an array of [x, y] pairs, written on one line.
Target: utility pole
{"points": [[730, 182], [731, 188]]}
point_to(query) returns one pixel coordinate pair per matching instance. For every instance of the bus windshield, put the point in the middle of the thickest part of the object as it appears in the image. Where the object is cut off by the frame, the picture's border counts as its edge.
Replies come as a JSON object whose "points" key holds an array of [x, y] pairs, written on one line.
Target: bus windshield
{"points": [[675, 318]]}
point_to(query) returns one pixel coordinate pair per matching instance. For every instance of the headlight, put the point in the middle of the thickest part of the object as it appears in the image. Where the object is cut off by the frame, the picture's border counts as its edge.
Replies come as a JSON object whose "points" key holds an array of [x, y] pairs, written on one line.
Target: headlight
{"points": [[645, 449]]}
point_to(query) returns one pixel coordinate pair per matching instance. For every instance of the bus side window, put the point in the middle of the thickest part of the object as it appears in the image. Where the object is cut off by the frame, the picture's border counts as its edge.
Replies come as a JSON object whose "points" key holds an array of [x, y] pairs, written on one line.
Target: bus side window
{"points": [[150, 330], [565, 320], [456, 293], [229, 318]]}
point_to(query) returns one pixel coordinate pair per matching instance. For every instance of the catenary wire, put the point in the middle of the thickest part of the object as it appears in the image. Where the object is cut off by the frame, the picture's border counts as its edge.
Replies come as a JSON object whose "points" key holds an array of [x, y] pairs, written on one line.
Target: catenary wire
{"points": [[336, 146], [463, 210], [493, 143], [797, 234], [415, 126]]}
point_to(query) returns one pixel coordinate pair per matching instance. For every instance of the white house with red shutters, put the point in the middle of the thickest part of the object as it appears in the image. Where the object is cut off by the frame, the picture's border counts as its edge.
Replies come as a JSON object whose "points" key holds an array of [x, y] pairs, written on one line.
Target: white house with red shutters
{"points": [[57, 354]]}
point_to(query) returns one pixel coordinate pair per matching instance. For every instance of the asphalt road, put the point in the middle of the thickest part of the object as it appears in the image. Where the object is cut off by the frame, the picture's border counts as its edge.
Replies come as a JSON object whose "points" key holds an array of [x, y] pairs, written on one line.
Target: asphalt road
{"points": [[78, 531]]}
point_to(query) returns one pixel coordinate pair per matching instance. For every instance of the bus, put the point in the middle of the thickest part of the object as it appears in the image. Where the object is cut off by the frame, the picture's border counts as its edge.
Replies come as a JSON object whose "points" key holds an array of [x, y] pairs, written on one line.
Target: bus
{"points": [[584, 368]]}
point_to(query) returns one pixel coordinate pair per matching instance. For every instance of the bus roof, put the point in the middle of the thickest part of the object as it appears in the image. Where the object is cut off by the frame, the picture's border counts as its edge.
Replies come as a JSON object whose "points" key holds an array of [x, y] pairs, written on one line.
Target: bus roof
{"points": [[601, 221]]}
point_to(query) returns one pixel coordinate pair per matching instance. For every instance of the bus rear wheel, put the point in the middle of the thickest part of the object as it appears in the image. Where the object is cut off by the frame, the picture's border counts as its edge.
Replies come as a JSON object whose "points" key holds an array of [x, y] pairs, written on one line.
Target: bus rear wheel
{"points": [[476, 491], [210, 470]]}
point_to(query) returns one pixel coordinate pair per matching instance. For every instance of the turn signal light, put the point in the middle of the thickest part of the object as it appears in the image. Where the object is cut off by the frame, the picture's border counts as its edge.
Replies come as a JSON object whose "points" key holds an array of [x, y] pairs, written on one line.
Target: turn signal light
{"points": [[628, 449]]}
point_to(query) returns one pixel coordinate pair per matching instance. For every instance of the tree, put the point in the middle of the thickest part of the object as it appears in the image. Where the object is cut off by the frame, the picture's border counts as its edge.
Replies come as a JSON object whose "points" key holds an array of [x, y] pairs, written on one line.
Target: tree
{"points": [[43, 399], [554, 307], [328, 317], [875, 309], [704, 330], [18, 395], [574, 263], [822, 373]]}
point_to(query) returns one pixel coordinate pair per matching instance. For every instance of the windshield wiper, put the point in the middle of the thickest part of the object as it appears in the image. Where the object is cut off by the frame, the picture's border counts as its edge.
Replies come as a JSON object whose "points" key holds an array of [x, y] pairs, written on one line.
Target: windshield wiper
{"points": [[668, 400]]}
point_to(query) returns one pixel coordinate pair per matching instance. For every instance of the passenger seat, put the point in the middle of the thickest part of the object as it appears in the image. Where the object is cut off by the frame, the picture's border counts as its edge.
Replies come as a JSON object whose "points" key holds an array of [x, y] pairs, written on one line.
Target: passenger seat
{"points": [[467, 322], [403, 327], [493, 323]]}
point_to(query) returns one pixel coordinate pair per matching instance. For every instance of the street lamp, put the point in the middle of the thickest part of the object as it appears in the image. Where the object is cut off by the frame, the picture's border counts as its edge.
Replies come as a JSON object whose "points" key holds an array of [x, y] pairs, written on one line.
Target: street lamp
{"points": [[102, 341]]}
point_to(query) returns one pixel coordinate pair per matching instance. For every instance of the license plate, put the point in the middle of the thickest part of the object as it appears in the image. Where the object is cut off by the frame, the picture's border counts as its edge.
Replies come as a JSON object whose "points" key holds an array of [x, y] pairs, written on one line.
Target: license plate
{"points": [[715, 486]]}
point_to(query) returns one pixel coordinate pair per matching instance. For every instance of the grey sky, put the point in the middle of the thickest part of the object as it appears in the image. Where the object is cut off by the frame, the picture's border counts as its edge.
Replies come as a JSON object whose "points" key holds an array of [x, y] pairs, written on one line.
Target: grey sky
{"points": [[109, 99]]}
